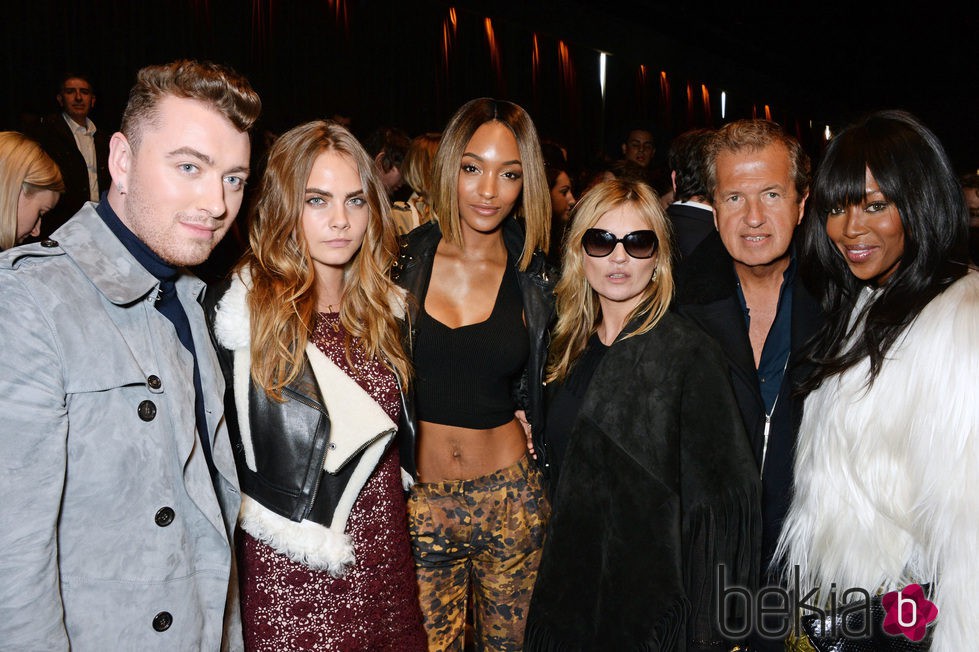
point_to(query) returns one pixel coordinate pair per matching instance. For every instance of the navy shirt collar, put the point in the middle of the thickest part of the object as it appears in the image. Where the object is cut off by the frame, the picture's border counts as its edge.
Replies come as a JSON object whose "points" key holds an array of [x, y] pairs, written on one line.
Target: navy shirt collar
{"points": [[778, 344], [139, 249]]}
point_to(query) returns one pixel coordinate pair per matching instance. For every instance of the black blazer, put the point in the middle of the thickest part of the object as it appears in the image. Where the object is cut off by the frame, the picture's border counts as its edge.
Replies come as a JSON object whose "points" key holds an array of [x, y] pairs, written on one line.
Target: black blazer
{"points": [[707, 295], [690, 226], [57, 140]]}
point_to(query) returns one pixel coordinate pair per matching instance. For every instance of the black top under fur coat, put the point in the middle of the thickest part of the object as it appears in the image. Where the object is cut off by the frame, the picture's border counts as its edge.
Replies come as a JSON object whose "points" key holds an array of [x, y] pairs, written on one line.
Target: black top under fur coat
{"points": [[658, 488]]}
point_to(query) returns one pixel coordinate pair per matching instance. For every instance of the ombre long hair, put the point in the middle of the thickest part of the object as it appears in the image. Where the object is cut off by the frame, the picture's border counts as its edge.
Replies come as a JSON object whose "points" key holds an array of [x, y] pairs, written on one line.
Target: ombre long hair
{"points": [[282, 299], [534, 206], [578, 306]]}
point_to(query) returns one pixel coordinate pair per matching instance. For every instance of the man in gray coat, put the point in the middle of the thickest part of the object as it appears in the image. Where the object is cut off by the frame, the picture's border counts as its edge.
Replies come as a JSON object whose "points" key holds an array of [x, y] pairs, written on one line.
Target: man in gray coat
{"points": [[118, 493]]}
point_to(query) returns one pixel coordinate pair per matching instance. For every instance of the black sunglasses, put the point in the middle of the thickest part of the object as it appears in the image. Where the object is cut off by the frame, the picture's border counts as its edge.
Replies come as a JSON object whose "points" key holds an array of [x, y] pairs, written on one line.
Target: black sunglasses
{"points": [[599, 243]]}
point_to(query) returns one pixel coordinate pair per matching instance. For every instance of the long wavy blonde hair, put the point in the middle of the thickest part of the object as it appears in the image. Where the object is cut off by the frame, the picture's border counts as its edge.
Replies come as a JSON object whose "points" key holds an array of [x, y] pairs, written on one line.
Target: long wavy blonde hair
{"points": [[578, 307], [282, 299]]}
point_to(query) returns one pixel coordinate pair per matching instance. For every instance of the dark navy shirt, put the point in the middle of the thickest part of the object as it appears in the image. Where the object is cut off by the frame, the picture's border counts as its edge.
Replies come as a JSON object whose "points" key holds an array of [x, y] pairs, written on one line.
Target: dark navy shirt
{"points": [[778, 344]]}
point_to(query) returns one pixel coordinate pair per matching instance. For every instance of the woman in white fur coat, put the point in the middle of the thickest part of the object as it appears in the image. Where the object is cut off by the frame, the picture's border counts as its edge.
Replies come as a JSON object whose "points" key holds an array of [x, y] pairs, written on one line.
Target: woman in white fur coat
{"points": [[309, 334], [886, 486]]}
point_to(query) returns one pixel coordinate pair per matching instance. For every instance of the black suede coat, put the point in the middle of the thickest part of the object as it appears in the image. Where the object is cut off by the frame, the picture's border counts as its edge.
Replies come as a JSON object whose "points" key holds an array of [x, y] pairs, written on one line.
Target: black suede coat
{"points": [[658, 488]]}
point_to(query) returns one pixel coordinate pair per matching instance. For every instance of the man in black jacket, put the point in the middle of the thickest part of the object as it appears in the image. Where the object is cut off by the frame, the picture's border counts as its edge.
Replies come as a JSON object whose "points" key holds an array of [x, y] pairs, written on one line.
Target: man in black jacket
{"points": [[80, 150], [741, 286]]}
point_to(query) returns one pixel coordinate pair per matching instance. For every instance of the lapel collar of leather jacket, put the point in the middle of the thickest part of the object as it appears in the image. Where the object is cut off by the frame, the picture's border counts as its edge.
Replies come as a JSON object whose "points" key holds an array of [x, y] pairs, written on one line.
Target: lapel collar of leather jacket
{"points": [[356, 420]]}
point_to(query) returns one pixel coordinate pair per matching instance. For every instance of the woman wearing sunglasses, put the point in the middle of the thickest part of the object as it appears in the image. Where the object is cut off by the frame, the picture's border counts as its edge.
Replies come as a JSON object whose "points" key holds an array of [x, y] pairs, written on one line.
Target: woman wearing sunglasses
{"points": [[657, 490]]}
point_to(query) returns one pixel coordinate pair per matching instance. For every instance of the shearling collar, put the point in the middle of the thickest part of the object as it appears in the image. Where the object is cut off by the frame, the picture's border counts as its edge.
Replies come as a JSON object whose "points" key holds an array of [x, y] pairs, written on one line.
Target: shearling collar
{"points": [[360, 432], [356, 420]]}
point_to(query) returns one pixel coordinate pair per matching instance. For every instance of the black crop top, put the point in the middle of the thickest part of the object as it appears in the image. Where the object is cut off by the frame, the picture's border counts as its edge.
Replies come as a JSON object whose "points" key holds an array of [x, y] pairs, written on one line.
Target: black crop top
{"points": [[465, 375]]}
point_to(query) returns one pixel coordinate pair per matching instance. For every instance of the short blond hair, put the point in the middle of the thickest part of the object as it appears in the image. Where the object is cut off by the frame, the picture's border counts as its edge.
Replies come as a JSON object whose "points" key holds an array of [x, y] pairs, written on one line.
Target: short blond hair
{"points": [[220, 87], [24, 167]]}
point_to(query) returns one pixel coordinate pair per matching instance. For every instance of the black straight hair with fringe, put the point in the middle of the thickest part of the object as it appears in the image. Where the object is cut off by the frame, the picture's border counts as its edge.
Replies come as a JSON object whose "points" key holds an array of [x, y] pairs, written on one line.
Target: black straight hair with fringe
{"points": [[912, 170]]}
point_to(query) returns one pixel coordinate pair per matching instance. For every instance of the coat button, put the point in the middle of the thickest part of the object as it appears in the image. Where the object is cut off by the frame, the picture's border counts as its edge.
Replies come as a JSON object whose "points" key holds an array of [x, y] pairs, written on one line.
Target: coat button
{"points": [[164, 516], [147, 410], [49, 243], [154, 382], [162, 621]]}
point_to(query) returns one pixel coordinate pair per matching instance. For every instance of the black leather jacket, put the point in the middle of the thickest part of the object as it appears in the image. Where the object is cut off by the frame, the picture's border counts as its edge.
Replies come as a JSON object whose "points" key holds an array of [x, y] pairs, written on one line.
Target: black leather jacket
{"points": [[413, 271], [291, 439]]}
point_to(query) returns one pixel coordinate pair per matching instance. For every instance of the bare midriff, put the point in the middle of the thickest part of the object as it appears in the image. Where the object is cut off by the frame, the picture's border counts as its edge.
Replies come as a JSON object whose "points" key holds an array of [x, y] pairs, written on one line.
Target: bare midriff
{"points": [[453, 453]]}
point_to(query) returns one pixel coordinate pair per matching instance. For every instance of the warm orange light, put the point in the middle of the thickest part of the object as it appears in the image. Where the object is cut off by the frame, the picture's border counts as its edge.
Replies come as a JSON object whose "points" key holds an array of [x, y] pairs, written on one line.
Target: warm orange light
{"points": [[445, 46], [535, 61], [340, 12], [565, 65], [494, 49]]}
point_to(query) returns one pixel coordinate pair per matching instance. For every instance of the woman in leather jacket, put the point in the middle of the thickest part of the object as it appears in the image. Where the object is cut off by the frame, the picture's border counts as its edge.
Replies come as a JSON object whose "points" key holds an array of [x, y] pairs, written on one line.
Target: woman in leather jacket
{"points": [[482, 305], [308, 332]]}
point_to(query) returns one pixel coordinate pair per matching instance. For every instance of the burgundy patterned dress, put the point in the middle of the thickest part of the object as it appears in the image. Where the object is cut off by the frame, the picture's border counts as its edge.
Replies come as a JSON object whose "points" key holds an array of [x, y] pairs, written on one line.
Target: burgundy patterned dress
{"points": [[287, 606]]}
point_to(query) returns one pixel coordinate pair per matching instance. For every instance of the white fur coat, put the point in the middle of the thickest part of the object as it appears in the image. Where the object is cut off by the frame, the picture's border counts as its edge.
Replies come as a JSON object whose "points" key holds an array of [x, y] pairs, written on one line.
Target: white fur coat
{"points": [[357, 423], [887, 479]]}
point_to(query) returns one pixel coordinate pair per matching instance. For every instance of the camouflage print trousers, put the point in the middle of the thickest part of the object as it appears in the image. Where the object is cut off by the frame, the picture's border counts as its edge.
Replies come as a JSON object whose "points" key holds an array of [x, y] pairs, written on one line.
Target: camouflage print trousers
{"points": [[483, 537]]}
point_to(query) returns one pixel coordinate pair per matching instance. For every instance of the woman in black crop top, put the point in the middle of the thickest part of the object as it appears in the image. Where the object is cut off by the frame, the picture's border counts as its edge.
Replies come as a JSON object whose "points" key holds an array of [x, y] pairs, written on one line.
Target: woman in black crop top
{"points": [[483, 304], [658, 486]]}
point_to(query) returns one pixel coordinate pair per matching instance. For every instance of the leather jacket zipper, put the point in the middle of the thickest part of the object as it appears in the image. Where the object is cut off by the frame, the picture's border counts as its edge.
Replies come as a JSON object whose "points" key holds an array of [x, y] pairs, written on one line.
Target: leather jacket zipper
{"points": [[326, 449]]}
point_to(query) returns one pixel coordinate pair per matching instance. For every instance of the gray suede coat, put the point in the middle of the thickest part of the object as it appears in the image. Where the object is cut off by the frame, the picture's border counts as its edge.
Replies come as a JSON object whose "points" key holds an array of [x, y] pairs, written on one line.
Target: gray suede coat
{"points": [[112, 534]]}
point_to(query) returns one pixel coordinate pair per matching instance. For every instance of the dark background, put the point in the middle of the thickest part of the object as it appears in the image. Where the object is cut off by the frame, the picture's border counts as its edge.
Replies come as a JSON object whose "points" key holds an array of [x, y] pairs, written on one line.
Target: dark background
{"points": [[811, 64]]}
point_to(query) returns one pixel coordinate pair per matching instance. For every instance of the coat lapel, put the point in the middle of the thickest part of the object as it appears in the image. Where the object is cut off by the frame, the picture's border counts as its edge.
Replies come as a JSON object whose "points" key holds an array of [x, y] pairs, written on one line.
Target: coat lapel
{"points": [[725, 321]]}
